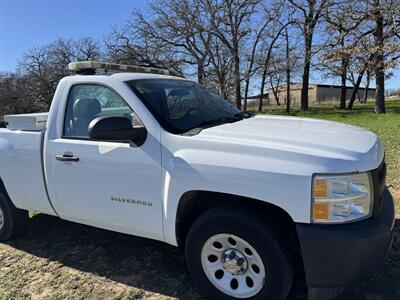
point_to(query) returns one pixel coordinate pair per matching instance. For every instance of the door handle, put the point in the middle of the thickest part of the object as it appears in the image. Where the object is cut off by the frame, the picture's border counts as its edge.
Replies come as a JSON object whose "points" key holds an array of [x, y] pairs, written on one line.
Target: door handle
{"points": [[67, 157]]}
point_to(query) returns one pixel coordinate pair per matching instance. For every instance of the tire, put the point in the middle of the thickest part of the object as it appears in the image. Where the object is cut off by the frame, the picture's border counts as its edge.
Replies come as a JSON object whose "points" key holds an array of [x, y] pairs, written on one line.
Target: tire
{"points": [[13, 221], [250, 231]]}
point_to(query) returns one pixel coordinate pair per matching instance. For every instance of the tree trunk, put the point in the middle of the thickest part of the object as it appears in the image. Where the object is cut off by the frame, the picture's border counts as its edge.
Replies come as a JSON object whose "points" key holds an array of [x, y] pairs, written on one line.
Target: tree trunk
{"points": [[306, 70], [200, 72], [343, 76], [343, 88], [379, 60], [304, 89], [288, 71], [222, 84], [276, 97], [246, 91], [266, 62], [380, 92], [367, 87], [275, 91], [288, 96], [264, 75], [238, 96], [250, 68], [355, 90]]}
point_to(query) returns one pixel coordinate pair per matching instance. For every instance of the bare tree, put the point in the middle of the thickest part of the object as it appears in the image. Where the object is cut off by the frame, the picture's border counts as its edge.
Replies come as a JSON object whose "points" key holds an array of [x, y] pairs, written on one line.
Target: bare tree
{"points": [[361, 63], [337, 57], [174, 32], [270, 43], [270, 16], [234, 45], [230, 22], [220, 71], [37, 67], [378, 38], [386, 16], [367, 82], [276, 78], [41, 68], [184, 24], [308, 16], [252, 66], [127, 46], [288, 71], [87, 48], [292, 66], [14, 98]]}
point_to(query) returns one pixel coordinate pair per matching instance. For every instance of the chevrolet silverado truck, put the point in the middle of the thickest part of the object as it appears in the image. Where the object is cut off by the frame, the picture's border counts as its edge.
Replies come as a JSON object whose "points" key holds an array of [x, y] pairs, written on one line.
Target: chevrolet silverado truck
{"points": [[147, 153]]}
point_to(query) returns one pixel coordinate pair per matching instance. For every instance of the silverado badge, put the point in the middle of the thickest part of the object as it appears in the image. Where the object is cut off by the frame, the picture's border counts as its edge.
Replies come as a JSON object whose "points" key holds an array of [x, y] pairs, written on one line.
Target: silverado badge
{"points": [[131, 201]]}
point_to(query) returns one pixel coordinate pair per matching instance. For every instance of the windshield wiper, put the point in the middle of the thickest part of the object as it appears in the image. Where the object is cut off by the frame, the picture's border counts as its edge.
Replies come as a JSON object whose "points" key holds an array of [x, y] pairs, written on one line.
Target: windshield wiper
{"points": [[244, 115], [211, 123]]}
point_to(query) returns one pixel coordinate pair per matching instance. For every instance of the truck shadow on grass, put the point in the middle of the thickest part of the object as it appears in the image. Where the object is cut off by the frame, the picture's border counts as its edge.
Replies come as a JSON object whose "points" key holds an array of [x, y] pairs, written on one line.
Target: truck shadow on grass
{"points": [[156, 267]]}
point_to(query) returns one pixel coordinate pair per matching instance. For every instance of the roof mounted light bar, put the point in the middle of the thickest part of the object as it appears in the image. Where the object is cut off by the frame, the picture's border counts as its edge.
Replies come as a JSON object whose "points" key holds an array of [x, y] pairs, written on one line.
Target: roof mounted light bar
{"points": [[93, 67]]}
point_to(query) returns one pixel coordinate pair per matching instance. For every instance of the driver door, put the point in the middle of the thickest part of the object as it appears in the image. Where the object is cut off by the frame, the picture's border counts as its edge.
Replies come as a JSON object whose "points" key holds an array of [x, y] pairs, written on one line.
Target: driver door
{"points": [[105, 184]]}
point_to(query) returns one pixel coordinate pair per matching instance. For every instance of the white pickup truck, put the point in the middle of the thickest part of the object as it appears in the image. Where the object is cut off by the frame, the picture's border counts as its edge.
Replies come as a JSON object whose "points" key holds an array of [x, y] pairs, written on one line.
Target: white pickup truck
{"points": [[149, 154]]}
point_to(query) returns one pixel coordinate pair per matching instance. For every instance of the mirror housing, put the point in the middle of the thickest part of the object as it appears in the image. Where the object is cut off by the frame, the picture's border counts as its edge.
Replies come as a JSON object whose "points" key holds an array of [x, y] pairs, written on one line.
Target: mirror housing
{"points": [[117, 129]]}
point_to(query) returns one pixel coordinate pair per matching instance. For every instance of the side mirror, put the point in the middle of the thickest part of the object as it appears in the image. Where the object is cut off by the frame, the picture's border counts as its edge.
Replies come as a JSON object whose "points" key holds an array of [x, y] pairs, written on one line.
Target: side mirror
{"points": [[117, 129]]}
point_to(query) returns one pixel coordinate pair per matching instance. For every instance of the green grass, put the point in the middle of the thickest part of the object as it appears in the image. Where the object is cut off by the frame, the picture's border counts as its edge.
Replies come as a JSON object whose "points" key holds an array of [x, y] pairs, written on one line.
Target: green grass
{"points": [[386, 126]]}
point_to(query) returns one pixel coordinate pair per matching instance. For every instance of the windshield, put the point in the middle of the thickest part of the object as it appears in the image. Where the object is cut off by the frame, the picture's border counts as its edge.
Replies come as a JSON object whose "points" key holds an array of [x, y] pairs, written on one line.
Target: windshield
{"points": [[183, 106]]}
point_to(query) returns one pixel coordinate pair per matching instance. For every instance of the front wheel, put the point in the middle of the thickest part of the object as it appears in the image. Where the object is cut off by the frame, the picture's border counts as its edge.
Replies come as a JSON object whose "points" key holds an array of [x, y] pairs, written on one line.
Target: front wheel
{"points": [[238, 255]]}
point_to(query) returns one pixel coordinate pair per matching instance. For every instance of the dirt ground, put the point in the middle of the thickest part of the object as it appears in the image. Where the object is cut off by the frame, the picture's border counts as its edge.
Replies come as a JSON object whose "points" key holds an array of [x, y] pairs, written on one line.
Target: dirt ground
{"points": [[56, 259]]}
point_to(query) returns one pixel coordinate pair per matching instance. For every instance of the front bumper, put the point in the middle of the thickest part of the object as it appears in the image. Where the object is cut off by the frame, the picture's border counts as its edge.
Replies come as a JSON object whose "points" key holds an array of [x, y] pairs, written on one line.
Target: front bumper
{"points": [[337, 256]]}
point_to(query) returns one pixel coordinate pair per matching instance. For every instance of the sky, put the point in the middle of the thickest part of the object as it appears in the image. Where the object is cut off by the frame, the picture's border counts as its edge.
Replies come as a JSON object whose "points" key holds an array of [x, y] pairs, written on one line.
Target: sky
{"points": [[29, 23], [25, 24]]}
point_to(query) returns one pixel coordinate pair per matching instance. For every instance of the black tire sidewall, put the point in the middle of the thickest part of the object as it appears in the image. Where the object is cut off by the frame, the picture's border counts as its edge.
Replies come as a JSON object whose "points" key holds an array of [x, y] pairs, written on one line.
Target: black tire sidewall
{"points": [[260, 235], [7, 229]]}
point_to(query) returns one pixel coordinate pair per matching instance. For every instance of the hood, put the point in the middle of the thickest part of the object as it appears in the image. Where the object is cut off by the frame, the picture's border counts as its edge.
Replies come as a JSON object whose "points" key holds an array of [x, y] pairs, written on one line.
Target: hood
{"points": [[303, 138]]}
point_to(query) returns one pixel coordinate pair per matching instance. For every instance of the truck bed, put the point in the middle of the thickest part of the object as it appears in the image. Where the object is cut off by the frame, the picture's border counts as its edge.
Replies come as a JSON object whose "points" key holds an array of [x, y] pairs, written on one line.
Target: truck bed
{"points": [[21, 169]]}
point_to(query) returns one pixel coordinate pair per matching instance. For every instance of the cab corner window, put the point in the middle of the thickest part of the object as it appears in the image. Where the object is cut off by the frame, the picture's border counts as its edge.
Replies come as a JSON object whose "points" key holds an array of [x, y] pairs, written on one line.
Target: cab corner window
{"points": [[89, 101]]}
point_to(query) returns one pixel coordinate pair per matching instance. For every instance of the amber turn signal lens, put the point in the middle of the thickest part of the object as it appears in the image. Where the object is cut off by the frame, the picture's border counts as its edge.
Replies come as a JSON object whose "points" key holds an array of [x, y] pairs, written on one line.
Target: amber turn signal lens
{"points": [[320, 188], [321, 211]]}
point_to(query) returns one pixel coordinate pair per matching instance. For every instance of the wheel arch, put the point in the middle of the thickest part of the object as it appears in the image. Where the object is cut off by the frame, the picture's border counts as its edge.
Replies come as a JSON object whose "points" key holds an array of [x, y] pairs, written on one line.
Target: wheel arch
{"points": [[2, 186], [192, 204], [7, 154], [3, 190]]}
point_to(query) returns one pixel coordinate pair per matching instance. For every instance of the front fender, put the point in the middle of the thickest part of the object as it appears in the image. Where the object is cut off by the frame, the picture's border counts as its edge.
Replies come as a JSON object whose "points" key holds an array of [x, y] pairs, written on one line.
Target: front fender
{"points": [[291, 193]]}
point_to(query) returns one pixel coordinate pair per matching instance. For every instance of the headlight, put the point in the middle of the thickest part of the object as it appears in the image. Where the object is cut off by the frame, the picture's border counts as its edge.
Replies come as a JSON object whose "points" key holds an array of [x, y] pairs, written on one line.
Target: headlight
{"points": [[344, 198]]}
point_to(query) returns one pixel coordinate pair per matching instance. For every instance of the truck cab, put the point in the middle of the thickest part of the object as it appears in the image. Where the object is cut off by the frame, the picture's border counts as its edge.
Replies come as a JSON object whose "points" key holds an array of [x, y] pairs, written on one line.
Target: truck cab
{"points": [[145, 152]]}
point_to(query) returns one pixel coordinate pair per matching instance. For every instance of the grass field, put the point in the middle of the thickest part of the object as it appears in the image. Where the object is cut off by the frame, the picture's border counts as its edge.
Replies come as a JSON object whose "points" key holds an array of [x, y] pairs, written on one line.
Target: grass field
{"points": [[62, 260]]}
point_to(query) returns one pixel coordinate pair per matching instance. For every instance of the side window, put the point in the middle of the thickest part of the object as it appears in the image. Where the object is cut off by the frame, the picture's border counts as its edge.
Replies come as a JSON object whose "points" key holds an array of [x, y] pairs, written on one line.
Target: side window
{"points": [[89, 101]]}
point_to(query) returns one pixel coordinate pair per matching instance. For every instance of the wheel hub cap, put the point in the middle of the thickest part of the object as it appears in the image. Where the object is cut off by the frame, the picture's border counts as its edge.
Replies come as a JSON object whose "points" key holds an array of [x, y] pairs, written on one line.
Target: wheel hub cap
{"points": [[233, 265], [234, 261]]}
